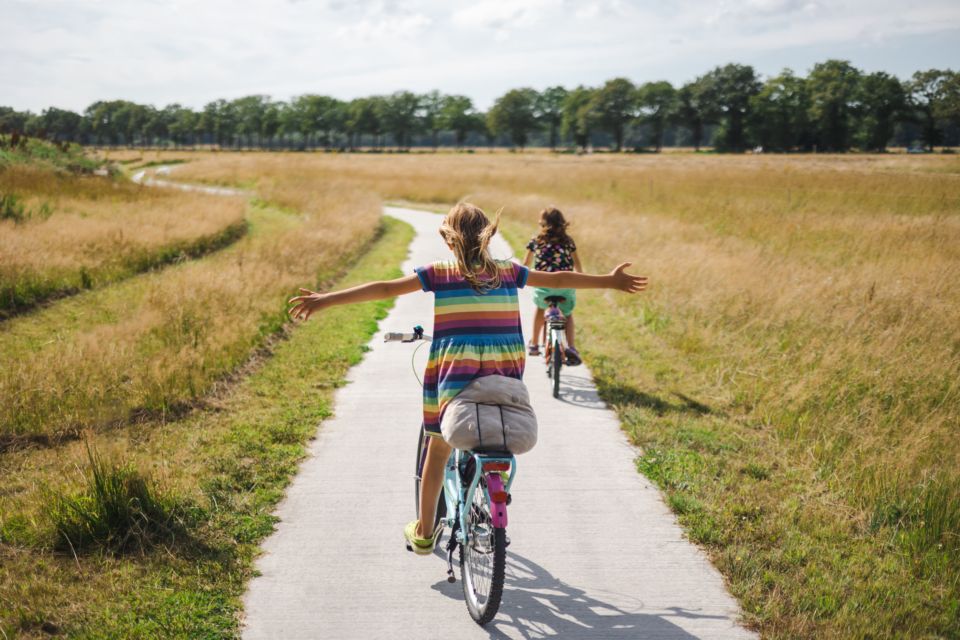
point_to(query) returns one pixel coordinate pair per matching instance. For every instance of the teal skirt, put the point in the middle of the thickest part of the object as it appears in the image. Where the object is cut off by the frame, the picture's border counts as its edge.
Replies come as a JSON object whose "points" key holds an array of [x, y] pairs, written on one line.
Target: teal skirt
{"points": [[540, 295]]}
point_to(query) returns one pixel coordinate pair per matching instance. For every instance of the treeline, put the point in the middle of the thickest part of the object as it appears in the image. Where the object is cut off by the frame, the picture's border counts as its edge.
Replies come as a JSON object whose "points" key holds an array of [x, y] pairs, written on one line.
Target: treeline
{"points": [[835, 108]]}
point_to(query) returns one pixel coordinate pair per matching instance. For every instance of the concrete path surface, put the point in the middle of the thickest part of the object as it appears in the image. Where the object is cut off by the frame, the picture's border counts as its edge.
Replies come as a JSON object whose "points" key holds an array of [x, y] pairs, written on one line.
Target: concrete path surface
{"points": [[595, 553]]}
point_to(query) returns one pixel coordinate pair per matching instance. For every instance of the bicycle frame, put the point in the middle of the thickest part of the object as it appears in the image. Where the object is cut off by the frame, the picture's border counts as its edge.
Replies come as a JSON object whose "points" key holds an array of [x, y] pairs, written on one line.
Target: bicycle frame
{"points": [[454, 492], [555, 324], [457, 495]]}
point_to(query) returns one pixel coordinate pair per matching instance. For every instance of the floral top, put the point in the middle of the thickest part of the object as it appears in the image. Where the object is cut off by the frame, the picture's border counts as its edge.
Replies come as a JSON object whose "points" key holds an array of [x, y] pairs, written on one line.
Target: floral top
{"points": [[552, 256]]}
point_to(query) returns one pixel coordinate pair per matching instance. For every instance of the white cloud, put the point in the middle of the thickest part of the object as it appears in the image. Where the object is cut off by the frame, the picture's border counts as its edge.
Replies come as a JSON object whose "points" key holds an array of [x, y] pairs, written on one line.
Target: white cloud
{"points": [[69, 53]]}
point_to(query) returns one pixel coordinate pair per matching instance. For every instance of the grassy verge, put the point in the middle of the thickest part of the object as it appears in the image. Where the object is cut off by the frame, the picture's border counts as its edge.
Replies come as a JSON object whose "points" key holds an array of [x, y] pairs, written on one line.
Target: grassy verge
{"points": [[152, 345], [225, 468]]}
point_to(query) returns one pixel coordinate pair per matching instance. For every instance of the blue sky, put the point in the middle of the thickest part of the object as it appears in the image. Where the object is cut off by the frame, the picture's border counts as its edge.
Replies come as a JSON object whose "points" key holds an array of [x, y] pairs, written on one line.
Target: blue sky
{"points": [[69, 53]]}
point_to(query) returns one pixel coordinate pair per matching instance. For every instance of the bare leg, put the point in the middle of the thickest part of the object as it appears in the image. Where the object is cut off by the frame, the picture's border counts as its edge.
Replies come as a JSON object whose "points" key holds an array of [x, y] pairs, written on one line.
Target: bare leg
{"points": [[538, 326], [431, 482], [569, 331]]}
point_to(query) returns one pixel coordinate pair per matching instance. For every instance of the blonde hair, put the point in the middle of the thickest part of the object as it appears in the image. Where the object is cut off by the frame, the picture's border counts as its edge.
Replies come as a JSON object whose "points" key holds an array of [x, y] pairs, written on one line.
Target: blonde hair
{"points": [[468, 231]]}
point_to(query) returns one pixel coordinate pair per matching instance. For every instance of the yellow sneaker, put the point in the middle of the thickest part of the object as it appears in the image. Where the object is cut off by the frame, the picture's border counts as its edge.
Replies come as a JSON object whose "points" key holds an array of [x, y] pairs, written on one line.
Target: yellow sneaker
{"points": [[420, 546]]}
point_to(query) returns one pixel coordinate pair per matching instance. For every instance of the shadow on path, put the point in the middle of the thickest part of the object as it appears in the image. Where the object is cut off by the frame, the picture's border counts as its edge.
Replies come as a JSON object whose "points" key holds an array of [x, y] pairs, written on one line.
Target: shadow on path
{"points": [[537, 604]]}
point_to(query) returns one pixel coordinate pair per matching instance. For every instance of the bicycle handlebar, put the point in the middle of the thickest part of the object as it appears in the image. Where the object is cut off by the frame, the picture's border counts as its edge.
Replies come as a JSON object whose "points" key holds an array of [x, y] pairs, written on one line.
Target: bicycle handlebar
{"points": [[394, 336]]}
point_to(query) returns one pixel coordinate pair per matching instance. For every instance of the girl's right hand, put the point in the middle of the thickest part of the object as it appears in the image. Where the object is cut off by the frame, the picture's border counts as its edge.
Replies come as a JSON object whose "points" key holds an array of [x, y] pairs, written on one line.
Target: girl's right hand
{"points": [[306, 305], [628, 282]]}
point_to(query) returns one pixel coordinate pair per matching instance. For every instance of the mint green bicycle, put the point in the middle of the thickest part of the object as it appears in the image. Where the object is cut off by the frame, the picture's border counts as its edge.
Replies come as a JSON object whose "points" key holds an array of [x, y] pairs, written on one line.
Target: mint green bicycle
{"points": [[473, 506]]}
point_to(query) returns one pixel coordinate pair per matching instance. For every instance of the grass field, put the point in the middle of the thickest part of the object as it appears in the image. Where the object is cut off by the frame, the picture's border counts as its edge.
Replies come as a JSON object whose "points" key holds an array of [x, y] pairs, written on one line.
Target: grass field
{"points": [[792, 376], [152, 345], [218, 472], [63, 232]]}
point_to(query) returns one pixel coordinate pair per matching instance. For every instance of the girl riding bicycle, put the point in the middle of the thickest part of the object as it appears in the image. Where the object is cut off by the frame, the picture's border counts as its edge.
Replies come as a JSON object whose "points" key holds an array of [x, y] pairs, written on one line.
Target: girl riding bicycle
{"points": [[554, 250], [476, 328]]}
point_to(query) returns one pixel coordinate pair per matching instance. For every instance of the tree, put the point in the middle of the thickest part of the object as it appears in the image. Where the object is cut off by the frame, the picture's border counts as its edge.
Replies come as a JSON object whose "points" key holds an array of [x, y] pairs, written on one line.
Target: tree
{"points": [[431, 105], [833, 92], [218, 122], [657, 101], [614, 106], [60, 125], [727, 93], [362, 117], [249, 116], [12, 120], [578, 116], [270, 122], [548, 109], [881, 101], [927, 91], [457, 115], [398, 113], [691, 109], [778, 114], [181, 123], [102, 116], [949, 107], [512, 114]]}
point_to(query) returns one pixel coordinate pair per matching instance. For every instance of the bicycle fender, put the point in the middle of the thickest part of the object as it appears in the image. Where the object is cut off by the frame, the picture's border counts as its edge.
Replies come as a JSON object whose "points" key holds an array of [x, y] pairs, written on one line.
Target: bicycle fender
{"points": [[498, 500]]}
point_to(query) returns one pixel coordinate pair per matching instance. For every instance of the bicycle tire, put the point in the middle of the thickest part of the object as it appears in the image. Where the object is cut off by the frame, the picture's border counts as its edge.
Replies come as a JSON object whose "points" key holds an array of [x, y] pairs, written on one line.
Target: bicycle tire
{"points": [[483, 612], [557, 363], [441, 503]]}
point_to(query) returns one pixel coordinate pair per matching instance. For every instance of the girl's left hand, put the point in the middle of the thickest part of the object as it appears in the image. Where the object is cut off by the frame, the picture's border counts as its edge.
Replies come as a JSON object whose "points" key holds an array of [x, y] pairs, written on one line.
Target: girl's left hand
{"points": [[305, 305], [627, 281]]}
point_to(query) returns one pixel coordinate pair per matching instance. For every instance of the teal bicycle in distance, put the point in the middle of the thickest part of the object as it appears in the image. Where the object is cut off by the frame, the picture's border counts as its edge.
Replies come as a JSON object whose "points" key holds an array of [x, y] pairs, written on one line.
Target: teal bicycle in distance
{"points": [[473, 507], [556, 325]]}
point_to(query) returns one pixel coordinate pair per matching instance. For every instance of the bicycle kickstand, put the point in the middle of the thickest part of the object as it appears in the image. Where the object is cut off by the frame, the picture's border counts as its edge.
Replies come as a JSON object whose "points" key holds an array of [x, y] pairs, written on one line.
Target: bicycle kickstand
{"points": [[451, 547]]}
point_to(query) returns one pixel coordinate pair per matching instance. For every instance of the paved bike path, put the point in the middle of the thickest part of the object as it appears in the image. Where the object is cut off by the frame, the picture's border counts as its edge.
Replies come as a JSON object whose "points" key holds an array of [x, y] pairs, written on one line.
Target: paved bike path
{"points": [[595, 553]]}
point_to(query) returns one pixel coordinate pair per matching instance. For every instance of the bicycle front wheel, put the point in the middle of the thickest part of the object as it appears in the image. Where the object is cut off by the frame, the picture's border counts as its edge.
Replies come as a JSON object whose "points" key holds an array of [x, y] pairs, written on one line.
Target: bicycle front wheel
{"points": [[441, 511], [483, 560]]}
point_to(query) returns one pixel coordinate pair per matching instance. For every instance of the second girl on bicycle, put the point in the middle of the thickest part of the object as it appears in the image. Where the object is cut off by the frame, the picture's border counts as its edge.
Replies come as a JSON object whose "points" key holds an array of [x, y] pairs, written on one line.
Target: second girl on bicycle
{"points": [[476, 329], [553, 250]]}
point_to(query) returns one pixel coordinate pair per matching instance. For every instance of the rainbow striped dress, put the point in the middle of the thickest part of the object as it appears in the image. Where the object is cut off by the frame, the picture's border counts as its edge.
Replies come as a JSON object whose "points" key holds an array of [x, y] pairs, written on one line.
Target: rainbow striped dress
{"points": [[474, 334]]}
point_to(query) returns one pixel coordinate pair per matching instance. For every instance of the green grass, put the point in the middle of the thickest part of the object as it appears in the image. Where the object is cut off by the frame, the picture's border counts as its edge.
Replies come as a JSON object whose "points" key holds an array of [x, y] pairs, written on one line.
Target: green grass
{"points": [[231, 464], [69, 157], [119, 510], [770, 522], [778, 521]]}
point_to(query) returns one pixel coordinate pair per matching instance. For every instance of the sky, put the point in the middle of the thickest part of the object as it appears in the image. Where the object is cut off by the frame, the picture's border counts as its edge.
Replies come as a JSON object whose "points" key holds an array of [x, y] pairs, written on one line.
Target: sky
{"points": [[70, 53]]}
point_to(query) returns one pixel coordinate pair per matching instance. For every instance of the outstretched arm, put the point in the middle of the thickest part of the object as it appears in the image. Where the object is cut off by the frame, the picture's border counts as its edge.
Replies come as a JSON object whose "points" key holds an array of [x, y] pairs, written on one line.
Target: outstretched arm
{"points": [[527, 259], [310, 302], [616, 279]]}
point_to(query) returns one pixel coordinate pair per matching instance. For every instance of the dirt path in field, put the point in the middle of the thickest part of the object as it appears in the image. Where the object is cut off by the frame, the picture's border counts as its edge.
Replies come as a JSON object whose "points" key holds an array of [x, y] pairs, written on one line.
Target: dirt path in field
{"points": [[595, 553], [149, 178]]}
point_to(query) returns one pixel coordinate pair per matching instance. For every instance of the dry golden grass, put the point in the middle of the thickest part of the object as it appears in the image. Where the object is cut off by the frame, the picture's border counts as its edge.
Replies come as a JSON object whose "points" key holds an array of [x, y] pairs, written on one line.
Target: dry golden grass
{"points": [[97, 230], [804, 311], [157, 341], [796, 270], [792, 374]]}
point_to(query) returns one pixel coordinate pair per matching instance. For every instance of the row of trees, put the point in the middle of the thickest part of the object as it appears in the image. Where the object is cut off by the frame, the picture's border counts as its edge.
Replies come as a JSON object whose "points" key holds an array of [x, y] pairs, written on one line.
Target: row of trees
{"points": [[834, 108]]}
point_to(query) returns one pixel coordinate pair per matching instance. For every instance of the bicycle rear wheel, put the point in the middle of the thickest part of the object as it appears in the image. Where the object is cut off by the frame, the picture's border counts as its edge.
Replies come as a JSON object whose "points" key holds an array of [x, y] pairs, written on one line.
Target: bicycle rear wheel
{"points": [[418, 472], [483, 560]]}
